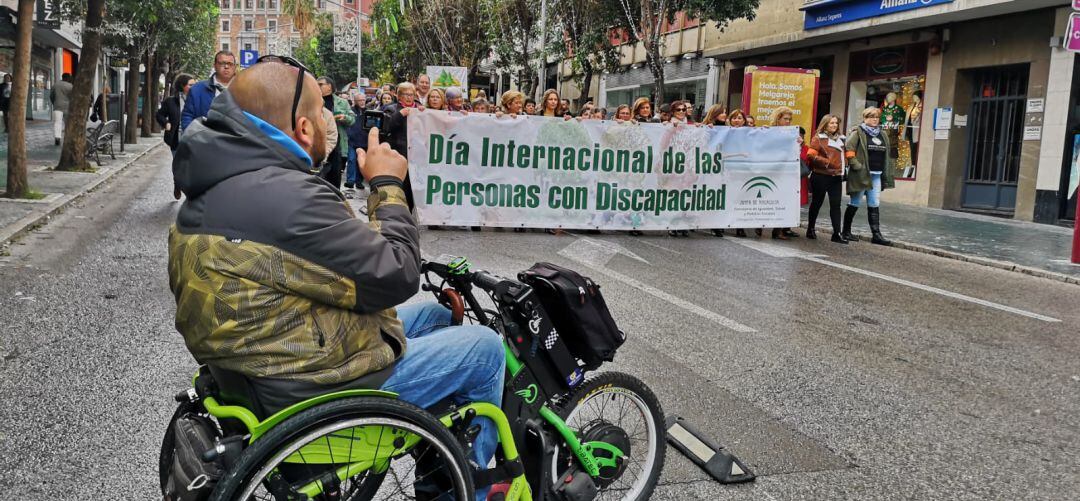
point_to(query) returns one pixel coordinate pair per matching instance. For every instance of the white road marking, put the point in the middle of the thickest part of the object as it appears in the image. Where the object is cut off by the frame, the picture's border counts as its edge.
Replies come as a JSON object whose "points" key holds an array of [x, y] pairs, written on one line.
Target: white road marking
{"points": [[580, 251], [783, 251], [595, 252], [935, 290]]}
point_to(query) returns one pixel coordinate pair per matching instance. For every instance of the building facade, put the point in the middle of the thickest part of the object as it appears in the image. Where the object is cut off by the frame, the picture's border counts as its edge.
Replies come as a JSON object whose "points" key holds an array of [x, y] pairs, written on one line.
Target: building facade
{"points": [[259, 25], [981, 97]]}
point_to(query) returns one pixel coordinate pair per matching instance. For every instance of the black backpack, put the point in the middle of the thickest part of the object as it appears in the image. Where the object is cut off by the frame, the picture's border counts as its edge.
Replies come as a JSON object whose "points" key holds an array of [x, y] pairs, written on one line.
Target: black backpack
{"points": [[578, 311]]}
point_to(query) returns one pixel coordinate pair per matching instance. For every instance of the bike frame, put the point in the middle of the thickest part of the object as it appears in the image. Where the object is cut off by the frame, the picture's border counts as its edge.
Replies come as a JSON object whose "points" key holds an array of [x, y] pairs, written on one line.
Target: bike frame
{"points": [[364, 457]]}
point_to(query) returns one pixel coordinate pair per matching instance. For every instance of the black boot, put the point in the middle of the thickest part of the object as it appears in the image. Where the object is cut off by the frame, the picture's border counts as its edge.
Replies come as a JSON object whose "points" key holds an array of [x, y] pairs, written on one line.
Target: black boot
{"points": [[838, 239], [873, 216], [811, 234], [849, 216]]}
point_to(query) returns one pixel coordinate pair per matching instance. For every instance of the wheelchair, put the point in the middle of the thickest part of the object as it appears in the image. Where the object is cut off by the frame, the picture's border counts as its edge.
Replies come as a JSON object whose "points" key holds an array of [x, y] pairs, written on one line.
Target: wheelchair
{"points": [[601, 438]]}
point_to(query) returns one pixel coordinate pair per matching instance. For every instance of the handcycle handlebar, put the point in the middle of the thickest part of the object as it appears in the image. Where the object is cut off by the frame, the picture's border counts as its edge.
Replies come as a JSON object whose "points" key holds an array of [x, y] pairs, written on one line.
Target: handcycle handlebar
{"points": [[450, 267]]}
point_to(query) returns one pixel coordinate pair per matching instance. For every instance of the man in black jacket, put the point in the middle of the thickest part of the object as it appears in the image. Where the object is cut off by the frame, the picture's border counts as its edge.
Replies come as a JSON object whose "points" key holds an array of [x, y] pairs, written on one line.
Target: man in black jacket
{"points": [[277, 279], [168, 115]]}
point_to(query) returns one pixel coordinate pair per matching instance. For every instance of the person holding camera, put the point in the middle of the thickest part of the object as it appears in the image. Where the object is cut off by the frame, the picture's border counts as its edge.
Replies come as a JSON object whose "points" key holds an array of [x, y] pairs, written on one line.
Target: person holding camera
{"points": [[397, 130]]}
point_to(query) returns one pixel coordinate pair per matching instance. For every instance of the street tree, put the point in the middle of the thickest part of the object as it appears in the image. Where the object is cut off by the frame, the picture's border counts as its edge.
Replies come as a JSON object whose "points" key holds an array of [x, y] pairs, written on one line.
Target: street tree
{"points": [[303, 14], [73, 153], [514, 30], [443, 32], [585, 39], [395, 55], [20, 87], [644, 20]]}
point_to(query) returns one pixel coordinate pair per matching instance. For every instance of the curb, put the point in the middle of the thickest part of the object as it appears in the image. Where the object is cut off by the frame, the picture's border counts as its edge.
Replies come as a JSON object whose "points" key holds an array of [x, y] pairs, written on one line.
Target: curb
{"points": [[18, 228], [983, 261]]}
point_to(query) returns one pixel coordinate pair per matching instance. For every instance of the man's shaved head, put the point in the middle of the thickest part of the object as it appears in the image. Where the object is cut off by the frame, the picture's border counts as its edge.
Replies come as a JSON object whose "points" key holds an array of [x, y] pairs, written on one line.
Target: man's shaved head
{"points": [[266, 90]]}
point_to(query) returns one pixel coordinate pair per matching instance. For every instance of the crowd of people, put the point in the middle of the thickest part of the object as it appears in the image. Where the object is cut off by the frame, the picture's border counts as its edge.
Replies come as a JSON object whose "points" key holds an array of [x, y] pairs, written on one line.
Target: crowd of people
{"points": [[829, 160]]}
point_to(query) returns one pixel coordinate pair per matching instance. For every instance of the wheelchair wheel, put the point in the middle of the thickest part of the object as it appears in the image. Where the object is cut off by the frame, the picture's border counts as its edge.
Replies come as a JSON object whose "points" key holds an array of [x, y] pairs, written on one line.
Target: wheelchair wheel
{"points": [[618, 409], [384, 449]]}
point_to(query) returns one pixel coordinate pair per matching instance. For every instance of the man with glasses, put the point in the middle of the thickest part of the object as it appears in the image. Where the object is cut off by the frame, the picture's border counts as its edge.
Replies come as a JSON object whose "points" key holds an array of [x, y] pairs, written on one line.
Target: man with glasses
{"points": [[276, 278], [204, 92]]}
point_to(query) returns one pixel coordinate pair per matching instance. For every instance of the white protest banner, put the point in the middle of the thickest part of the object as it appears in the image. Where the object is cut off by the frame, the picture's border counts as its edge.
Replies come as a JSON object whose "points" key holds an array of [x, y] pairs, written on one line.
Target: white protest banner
{"points": [[537, 172]]}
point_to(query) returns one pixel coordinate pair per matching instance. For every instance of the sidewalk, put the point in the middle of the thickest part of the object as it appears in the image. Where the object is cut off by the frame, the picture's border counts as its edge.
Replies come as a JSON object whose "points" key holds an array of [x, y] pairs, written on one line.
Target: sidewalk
{"points": [[1031, 248], [60, 188]]}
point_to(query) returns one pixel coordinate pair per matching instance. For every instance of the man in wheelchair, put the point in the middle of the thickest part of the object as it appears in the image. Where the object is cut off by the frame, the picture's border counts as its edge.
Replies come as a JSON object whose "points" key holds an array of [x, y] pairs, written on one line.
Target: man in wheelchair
{"points": [[278, 283]]}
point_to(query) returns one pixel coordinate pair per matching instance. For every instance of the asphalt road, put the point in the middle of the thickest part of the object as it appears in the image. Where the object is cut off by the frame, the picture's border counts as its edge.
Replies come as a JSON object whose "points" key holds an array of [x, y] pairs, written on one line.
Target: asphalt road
{"points": [[835, 372]]}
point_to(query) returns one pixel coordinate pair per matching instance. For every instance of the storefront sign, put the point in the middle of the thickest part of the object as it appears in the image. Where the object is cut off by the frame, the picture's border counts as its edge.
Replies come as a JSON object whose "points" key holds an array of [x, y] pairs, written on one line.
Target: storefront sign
{"points": [[1033, 133], [1072, 38], [942, 118], [1036, 105], [544, 172], [766, 88], [821, 13], [887, 63], [48, 15], [1076, 4], [961, 120], [941, 135]]}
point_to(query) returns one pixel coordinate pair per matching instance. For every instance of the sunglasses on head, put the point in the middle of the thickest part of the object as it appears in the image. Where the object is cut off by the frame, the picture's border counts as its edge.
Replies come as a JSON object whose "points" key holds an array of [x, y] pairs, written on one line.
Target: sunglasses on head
{"points": [[299, 78]]}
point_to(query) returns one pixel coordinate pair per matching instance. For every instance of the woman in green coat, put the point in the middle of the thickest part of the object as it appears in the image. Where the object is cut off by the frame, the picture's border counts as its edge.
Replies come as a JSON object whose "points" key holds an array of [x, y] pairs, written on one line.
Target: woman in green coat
{"points": [[870, 172]]}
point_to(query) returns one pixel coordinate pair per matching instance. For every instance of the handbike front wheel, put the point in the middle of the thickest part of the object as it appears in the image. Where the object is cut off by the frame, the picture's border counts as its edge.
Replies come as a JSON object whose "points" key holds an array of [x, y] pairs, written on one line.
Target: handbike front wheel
{"points": [[365, 448], [618, 409]]}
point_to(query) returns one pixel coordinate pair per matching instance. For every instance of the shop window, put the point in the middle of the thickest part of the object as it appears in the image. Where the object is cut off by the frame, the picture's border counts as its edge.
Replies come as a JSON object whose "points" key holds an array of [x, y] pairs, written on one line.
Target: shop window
{"points": [[894, 80]]}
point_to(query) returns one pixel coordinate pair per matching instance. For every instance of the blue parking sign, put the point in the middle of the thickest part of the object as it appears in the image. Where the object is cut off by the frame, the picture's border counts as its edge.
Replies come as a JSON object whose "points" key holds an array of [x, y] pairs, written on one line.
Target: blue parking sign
{"points": [[248, 57]]}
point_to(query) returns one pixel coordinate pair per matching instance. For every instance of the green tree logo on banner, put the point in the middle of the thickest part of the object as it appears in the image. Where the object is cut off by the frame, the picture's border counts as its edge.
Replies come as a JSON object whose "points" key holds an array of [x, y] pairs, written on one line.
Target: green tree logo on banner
{"points": [[760, 183]]}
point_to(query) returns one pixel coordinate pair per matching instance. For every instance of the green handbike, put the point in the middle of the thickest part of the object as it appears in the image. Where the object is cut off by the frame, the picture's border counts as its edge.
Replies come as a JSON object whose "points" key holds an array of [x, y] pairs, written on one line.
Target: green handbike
{"points": [[561, 436]]}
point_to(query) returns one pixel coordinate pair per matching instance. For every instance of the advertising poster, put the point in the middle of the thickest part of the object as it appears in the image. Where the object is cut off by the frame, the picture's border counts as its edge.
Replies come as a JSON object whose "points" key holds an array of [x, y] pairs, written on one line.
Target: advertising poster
{"points": [[767, 88], [539, 172]]}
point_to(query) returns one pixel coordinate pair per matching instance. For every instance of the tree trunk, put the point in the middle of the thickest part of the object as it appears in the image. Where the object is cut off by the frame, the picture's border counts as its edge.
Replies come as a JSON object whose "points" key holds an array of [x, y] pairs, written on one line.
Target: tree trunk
{"points": [[73, 156], [586, 85], [147, 96], [656, 64], [20, 88], [131, 126], [155, 100]]}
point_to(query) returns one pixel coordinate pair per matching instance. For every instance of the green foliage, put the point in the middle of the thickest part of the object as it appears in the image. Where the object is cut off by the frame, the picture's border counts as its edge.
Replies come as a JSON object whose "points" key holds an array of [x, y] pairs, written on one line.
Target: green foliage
{"points": [[430, 32], [515, 29], [584, 39]]}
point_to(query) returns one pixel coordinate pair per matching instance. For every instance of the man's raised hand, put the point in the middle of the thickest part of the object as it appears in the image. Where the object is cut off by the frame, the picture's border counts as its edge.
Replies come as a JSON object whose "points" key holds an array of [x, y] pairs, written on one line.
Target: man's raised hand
{"points": [[380, 159]]}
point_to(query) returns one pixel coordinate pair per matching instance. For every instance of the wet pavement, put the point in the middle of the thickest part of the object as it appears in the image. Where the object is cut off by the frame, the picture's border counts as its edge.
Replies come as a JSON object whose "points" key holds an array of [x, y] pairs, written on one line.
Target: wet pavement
{"points": [[836, 372], [1041, 246]]}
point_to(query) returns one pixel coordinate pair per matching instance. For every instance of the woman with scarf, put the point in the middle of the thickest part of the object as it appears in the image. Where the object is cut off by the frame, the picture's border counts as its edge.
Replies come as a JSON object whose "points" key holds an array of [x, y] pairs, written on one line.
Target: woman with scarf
{"points": [[870, 172]]}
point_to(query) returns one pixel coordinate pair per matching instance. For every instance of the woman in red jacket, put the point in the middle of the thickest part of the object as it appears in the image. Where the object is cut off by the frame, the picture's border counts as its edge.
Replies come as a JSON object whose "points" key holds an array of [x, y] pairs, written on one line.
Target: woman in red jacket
{"points": [[827, 165]]}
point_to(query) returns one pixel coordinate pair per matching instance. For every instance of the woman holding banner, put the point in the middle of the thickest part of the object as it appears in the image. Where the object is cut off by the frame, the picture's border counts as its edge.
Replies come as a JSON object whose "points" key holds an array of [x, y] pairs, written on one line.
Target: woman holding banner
{"points": [[782, 117], [436, 99], [511, 103], [716, 116], [827, 164], [870, 172], [642, 111], [549, 104], [737, 119]]}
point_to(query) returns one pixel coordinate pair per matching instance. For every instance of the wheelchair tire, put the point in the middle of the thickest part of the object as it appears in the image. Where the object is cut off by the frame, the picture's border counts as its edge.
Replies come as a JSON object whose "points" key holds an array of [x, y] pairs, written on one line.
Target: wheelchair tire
{"points": [[584, 411], [267, 453]]}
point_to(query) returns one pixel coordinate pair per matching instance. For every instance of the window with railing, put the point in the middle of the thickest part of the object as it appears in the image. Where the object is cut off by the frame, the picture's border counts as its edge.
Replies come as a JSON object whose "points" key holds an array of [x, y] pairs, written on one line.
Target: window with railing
{"points": [[271, 25], [225, 26], [249, 25]]}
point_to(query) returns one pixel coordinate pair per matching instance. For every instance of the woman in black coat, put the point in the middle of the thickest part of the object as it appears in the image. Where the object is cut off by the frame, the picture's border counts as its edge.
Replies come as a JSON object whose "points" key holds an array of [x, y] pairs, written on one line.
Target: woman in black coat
{"points": [[168, 116]]}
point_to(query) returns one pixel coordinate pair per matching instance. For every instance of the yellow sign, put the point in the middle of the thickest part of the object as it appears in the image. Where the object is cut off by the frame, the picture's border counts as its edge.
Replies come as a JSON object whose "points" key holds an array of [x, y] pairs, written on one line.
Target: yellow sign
{"points": [[768, 88]]}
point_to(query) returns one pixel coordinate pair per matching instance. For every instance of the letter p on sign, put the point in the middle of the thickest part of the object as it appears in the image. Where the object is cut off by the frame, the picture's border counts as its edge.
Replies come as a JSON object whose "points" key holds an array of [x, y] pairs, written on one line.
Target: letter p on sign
{"points": [[248, 58]]}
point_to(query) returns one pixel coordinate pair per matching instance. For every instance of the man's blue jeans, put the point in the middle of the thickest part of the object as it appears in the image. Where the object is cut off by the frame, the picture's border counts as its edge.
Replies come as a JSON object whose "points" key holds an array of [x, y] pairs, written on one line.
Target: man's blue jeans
{"points": [[352, 173], [463, 363]]}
